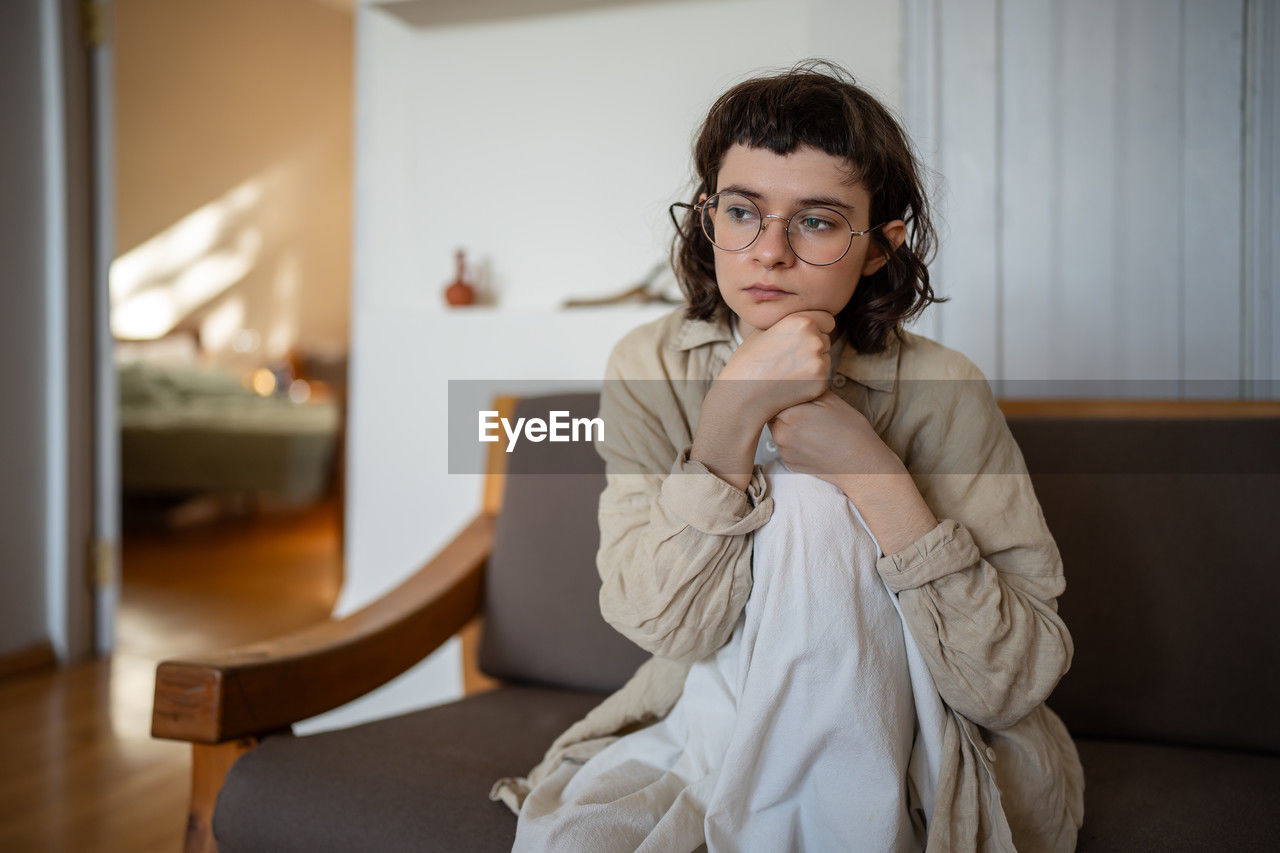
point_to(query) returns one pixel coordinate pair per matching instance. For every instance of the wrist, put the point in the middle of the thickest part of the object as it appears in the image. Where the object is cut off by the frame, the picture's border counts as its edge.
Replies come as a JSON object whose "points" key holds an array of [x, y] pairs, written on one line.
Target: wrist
{"points": [[737, 398], [726, 436]]}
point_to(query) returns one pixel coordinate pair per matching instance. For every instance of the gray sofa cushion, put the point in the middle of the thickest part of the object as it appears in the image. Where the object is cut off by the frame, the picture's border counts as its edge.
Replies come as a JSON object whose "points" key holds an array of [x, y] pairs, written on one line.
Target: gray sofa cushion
{"points": [[542, 606], [1143, 798], [415, 782], [1171, 577]]}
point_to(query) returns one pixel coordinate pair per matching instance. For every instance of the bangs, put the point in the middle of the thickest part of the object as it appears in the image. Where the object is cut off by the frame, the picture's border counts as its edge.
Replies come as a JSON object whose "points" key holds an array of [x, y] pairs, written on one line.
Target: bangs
{"points": [[802, 114]]}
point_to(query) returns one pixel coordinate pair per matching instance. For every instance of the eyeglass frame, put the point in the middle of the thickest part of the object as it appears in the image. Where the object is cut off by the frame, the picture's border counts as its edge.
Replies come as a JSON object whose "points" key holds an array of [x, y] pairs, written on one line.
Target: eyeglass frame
{"points": [[701, 206]]}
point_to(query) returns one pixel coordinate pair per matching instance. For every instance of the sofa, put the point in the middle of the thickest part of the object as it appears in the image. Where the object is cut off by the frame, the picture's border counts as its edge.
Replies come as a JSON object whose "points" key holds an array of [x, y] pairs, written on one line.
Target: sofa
{"points": [[1164, 516]]}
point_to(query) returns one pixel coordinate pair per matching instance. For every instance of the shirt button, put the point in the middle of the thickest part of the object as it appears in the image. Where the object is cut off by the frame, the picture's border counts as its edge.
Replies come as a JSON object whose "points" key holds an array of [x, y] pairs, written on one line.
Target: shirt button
{"points": [[770, 445], [991, 753], [838, 380]]}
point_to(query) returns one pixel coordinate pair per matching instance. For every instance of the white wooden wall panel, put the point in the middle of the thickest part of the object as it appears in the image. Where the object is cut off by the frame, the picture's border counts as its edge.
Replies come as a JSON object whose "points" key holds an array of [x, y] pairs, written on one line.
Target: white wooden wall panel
{"points": [[1150, 207], [1082, 272], [1091, 155], [1266, 228], [1262, 198], [967, 123], [1027, 236], [1212, 198], [920, 111]]}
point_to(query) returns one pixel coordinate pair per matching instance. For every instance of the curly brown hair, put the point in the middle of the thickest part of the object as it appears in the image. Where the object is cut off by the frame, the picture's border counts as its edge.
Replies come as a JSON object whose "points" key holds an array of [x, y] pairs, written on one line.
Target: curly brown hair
{"points": [[817, 103]]}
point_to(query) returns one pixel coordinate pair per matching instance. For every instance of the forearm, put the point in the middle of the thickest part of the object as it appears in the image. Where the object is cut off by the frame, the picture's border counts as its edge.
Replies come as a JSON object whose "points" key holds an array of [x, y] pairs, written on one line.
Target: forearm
{"points": [[727, 433], [892, 507]]}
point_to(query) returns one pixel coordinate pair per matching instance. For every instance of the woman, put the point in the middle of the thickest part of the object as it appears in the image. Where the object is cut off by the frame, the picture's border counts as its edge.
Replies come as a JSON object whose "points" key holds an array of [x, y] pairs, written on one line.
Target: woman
{"points": [[785, 461]]}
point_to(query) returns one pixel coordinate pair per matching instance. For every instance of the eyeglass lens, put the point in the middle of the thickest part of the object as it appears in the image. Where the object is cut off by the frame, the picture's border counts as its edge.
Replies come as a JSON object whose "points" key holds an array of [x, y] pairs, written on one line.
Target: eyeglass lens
{"points": [[818, 235]]}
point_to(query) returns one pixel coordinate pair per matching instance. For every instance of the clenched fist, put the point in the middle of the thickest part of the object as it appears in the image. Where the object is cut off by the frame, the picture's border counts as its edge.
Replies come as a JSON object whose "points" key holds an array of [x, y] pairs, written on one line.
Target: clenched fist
{"points": [[786, 364]]}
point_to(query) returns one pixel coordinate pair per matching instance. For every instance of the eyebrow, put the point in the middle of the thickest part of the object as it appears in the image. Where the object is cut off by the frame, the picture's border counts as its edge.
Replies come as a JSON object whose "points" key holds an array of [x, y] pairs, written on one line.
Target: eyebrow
{"points": [[822, 201]]}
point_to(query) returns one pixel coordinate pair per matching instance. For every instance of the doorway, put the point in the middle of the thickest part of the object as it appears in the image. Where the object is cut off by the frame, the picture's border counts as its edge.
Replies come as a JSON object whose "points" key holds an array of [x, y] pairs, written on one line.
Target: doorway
{"points": [[228, 312]]}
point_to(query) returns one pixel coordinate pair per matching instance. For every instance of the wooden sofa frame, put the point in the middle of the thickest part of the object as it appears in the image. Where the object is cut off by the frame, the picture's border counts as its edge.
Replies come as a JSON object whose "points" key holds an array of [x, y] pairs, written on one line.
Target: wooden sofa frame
{"points": [[225, 703]]}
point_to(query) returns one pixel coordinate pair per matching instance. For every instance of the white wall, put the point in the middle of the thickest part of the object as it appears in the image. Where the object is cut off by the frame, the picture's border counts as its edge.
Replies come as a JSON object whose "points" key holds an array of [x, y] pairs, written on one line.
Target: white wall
{"points": [[509, 136], [551, 146]]}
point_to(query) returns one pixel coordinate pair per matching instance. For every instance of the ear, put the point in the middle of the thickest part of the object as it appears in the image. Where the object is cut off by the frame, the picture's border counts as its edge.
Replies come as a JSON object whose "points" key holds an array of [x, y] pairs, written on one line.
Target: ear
{"points": [[702, 198], [895, 232]]}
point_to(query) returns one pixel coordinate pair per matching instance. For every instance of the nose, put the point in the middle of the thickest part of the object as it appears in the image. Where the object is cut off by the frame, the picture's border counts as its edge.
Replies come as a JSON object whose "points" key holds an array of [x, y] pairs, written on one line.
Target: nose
{"points": [[771, 244]]}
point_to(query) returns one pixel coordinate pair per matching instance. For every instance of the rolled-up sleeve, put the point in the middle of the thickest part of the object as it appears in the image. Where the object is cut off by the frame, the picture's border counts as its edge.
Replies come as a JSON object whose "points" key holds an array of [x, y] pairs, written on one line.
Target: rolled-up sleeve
{"points": [[945, 549], [709, 504], [979, 590], [675, 545]]}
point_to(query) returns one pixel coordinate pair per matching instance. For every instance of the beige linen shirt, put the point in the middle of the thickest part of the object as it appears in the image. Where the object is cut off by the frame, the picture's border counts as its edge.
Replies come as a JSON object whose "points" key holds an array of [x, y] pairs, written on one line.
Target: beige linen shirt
{"points": [[978, 592]]}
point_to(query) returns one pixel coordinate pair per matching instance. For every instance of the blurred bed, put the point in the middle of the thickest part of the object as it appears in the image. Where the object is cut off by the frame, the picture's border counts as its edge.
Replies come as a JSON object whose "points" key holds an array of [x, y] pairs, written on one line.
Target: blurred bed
{"points": [[186, 429]]}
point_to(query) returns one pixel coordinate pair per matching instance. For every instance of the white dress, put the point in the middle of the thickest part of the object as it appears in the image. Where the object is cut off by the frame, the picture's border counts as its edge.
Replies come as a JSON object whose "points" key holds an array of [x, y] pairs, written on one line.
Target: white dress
{"points": [[816, 727]]}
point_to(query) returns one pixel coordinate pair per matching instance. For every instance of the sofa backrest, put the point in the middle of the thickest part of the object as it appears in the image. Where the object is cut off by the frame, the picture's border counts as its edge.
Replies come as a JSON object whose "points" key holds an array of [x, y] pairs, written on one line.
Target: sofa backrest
{"points": [[541, 601], [1167, 538], [1172, 558]]}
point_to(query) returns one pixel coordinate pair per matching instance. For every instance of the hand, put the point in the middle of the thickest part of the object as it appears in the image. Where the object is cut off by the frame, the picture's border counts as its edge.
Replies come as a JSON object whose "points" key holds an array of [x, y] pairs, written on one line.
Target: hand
{"points": [[828, 438], [786, 364]]}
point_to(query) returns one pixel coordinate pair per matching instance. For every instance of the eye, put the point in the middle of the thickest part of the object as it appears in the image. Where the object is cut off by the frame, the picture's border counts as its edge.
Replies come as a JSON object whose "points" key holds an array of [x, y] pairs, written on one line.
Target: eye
{"points": [[813, 222], [816, 222], [738, 213]]}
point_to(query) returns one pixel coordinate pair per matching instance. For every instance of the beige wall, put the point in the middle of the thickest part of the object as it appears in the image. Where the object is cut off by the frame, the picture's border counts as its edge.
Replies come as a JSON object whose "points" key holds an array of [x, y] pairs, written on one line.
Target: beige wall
{"points": [[211, 97]]}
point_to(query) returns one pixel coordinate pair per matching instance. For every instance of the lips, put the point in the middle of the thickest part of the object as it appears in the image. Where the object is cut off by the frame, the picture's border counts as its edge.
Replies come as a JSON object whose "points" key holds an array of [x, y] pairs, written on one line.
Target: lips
{"points": [[760, 290]]}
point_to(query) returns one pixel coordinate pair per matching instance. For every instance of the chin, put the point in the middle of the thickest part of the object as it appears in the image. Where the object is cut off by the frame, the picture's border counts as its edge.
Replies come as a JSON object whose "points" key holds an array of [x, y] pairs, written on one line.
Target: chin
{"points": [[754, 317], [764, 315]]}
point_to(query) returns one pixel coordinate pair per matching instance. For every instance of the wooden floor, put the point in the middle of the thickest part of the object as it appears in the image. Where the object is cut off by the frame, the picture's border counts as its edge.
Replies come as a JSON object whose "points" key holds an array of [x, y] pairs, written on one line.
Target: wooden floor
{"points": [[80, 771]]}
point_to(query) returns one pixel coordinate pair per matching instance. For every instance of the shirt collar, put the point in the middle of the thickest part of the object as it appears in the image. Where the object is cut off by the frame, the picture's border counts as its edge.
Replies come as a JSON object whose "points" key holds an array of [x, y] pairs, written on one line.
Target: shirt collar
{"points": [[878, 371], [696, 333]]}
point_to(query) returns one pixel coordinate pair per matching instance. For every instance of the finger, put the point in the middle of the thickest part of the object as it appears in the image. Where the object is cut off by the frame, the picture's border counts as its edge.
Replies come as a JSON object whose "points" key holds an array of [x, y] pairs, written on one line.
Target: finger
{"points": [[825, 321]]}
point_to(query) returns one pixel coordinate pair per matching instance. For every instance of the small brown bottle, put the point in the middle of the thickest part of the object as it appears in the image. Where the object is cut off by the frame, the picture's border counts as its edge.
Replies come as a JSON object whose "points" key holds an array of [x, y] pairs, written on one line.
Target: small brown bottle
{"points": [[461, 291]]}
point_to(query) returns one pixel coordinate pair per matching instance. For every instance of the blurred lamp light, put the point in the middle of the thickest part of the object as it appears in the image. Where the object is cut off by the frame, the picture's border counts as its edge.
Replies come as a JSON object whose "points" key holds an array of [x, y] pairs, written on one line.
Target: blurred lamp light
{"points": [[264, 382], [299, 391]]}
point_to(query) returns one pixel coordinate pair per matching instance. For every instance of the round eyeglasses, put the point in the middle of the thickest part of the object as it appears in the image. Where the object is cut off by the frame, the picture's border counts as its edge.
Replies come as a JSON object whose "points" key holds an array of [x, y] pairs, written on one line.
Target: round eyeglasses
{"points": [[818, 236]]}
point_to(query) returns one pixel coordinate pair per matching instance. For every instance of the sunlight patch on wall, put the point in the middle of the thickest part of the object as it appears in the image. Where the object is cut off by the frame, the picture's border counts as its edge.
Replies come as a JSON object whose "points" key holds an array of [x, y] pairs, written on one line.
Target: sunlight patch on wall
{"points": [[287, 289], [158, 284], [219, 328]]}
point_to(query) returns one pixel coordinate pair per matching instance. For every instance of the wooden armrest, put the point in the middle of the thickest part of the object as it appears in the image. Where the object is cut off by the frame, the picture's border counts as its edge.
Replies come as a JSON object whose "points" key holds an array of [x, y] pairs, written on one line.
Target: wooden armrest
{"points": [[266, 687]]}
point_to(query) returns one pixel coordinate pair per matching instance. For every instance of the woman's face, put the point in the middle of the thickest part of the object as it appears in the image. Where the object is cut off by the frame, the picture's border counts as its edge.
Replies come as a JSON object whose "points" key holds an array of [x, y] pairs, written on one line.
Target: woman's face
{"points": [[782, 185]]}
